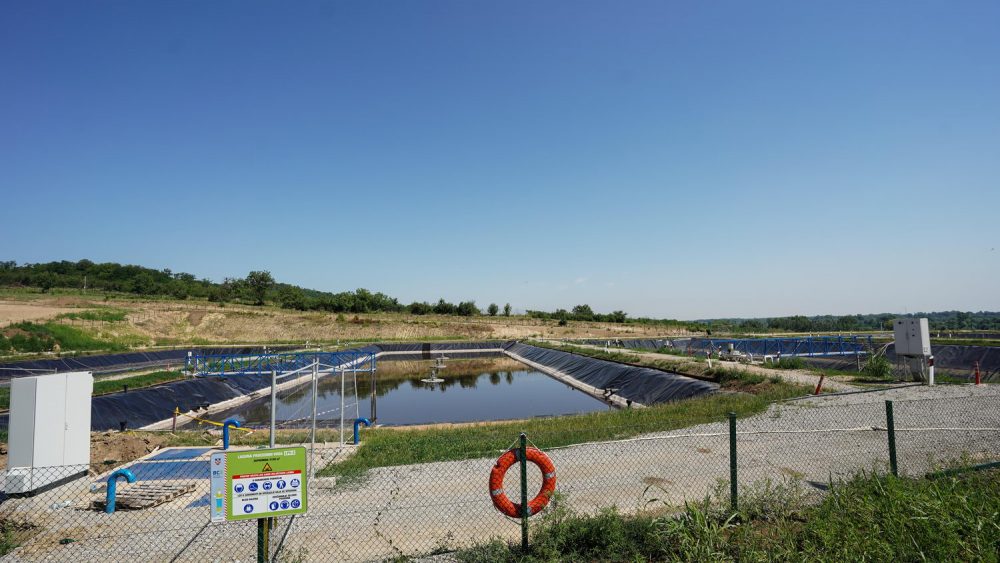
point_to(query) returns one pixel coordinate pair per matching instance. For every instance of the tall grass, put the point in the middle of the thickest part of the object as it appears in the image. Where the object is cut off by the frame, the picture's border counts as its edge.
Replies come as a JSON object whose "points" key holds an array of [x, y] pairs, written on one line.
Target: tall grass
{"points": [[869, 518], [102, 315], [28, 337]]}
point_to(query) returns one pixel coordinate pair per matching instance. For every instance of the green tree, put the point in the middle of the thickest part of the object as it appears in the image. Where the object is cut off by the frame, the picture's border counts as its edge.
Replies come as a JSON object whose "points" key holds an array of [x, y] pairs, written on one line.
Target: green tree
{"points": [[46, 281], [467, 309], [583, 313], [444, 308], [493, 309], [291, 297], [420, 308], [144, 284], [259, 283], [617, 317], [506, 310]]}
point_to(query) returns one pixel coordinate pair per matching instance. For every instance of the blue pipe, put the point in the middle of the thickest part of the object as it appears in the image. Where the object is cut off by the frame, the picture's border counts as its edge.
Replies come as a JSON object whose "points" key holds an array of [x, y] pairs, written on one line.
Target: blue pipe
{"points": [[225, 431], [358, 422], [109, 504]]}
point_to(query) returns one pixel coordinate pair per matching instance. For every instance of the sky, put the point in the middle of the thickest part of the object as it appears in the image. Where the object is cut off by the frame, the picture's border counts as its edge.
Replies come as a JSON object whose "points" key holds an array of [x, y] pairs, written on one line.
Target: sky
{"points": [[667, 158]]}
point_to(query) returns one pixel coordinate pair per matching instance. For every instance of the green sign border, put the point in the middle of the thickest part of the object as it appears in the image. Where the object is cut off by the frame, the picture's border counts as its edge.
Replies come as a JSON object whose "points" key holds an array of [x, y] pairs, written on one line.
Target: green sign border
{"points": [[253, 462]]}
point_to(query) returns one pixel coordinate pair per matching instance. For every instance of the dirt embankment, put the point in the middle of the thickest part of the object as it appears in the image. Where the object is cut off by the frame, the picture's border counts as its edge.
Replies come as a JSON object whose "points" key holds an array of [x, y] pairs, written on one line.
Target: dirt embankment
{"points": [[14, 311], [200, 322]]}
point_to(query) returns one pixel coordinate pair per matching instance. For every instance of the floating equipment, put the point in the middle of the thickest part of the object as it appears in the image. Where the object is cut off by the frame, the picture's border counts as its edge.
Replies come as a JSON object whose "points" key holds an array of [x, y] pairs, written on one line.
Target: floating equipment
{"points": [[433, 378], [541, 500]]}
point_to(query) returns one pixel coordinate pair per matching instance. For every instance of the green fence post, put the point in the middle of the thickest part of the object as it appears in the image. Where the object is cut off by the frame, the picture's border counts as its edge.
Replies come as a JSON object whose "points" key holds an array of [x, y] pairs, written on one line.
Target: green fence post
{"points": [[261, 540], [523, 450], [890, 426], [733, 494]]}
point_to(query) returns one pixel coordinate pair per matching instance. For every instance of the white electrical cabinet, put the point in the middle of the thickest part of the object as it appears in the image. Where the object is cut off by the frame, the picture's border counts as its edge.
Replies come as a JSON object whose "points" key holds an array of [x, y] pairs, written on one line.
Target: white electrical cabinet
{"points": [[49, 430], [912, 337]]}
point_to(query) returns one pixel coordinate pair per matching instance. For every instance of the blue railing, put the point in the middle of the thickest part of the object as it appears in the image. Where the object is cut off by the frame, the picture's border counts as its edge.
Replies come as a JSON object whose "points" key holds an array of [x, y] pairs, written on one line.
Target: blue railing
{"points": [[262, 364], [800, 346]]}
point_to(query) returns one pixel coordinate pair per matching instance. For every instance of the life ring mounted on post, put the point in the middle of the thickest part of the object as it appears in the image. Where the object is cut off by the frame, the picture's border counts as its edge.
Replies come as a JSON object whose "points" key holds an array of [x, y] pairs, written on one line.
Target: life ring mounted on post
{"points": [[541, 500]]}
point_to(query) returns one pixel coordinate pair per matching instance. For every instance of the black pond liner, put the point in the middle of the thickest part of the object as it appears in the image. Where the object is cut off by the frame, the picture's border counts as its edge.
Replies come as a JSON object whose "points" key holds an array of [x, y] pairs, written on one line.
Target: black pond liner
{"points": [[106, 363], [141, 407], [643, 385], [632, 343], [152, 404]]}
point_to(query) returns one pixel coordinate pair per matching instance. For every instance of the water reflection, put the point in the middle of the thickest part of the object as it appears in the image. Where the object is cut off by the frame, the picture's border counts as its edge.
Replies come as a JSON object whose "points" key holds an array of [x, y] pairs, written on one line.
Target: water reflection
{"points": [[461, 397]]}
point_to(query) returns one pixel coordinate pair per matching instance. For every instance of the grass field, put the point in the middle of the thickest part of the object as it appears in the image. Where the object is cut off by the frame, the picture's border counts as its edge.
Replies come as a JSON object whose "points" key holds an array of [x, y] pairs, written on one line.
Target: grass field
{"points": [[399, 446], [870, 518]]}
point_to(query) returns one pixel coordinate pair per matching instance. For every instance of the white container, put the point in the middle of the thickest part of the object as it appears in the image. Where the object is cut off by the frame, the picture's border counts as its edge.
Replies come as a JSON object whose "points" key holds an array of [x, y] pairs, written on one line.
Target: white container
{"points": [[49, 433], [912, 337]]}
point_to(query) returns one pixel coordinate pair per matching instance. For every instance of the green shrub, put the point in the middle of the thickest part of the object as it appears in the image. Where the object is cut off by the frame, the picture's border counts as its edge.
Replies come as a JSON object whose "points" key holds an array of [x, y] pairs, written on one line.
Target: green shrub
{"points": [[869, 518], [103, 315], [877, 367], [32, 338]]}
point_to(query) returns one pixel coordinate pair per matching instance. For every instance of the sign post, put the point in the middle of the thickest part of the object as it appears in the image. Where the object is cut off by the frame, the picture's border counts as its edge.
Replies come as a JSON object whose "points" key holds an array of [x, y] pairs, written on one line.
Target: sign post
{"points": [[258, 485]]}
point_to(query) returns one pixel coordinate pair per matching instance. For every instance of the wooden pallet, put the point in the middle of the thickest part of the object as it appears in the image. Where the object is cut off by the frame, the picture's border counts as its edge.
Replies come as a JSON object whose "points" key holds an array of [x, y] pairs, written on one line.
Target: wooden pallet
{"points": [[148, 495]]}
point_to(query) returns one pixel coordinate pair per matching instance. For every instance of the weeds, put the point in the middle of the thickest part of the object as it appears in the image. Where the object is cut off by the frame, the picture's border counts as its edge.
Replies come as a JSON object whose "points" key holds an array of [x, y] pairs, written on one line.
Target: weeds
{"points": [[13, 534], [869, 518], [28, 337], [101, 315], [877, 367]]}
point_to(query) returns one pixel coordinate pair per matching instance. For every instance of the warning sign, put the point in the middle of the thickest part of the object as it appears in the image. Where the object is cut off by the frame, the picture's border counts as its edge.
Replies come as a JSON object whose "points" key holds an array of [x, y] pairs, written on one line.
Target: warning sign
{"points": [[252, 484]]}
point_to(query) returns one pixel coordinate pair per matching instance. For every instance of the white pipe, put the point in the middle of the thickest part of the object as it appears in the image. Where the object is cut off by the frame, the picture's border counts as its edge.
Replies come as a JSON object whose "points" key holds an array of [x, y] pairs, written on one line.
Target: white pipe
{"points": [[312, 433], [342, 374], [274, 403]]}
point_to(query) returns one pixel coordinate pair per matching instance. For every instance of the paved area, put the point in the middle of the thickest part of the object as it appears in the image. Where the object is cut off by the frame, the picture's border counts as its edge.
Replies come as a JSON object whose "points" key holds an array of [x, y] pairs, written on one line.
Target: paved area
{"points": [[416, 509]]}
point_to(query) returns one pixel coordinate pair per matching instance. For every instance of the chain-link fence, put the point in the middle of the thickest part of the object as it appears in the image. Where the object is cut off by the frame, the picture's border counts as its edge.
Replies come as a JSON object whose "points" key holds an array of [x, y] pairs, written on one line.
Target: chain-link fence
{"points": [[374, 502]]}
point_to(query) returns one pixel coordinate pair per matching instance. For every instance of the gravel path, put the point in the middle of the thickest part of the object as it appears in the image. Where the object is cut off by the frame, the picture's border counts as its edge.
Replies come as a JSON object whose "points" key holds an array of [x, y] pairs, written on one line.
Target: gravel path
{"points": [[419, 508]]}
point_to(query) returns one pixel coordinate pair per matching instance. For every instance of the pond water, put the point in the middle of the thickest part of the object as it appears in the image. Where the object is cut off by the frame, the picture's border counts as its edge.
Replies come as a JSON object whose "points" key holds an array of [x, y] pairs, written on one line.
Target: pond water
{"points": [[403, 399]]}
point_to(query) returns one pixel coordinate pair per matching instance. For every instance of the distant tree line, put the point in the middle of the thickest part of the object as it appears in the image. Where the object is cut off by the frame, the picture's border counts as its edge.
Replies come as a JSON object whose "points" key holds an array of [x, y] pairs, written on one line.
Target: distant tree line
{"points": [[580, 313], [944, 320], [258, 287], [586, 313]]}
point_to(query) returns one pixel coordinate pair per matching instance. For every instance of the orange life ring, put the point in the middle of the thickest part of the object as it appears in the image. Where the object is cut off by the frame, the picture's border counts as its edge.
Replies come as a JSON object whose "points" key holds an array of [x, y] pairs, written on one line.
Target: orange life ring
{"points": [[541, 500]]}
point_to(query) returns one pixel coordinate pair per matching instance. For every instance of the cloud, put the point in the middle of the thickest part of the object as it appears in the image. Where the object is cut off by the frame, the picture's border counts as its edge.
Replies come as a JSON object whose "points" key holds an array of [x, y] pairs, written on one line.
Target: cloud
{"points": [[580, 280]]}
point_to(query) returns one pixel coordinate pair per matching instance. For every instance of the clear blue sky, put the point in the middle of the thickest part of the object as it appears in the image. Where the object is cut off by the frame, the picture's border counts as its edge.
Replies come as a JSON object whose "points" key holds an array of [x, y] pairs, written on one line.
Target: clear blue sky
{"points": [[671, 159]]}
